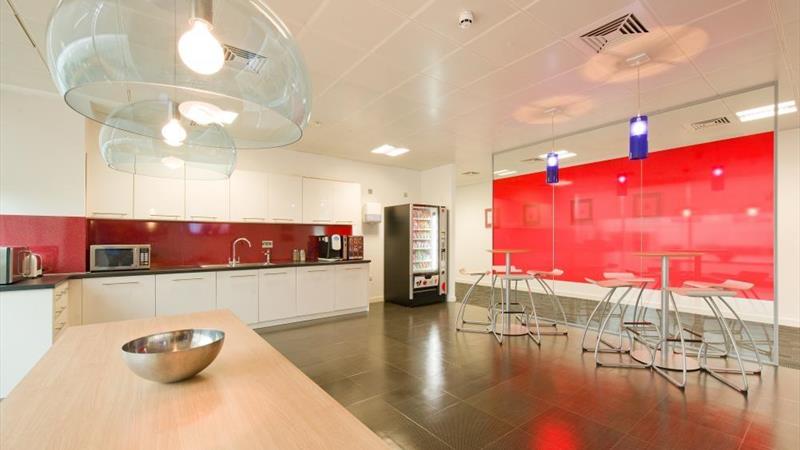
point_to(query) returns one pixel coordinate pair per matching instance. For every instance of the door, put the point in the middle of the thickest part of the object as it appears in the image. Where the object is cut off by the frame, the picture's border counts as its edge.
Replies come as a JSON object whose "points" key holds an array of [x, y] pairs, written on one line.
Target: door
{"points": [[352, 286], [249, 198], [315, 290], [207, 200], [347, 203], [285, 198], [158, 198], [318, 200], [109, 192], [277, 294], [118, 298], [185, 293], [237, 290]]}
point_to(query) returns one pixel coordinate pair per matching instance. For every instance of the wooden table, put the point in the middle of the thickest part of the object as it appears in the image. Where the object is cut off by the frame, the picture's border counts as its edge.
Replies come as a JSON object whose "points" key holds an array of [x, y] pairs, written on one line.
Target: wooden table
{"points": [[665, 358], [81, 395], [509, 329]]}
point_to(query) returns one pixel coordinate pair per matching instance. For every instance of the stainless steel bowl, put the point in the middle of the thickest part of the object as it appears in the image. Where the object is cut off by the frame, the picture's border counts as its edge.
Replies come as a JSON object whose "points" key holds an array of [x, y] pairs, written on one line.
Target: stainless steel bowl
{"points": [[174, 355]]}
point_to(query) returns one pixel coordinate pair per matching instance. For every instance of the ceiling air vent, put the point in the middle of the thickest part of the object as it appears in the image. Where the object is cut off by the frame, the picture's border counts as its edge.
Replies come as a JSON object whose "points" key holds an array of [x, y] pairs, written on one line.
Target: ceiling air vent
{"points": [[247, 60], [710, 123], [623, 27]]}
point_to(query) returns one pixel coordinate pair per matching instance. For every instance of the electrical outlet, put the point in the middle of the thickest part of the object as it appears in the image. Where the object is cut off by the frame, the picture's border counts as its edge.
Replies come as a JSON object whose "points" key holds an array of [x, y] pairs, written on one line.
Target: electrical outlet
{"points": [[266, 244]]}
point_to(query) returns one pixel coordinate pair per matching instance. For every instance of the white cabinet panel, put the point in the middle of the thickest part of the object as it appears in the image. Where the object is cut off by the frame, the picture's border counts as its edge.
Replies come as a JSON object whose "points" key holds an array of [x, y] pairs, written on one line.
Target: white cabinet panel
{"points": [[285, 195], [185, 293], [109, 192], [352, 286], [237, 290], [207, 200], [26, 333], [277, 294], [118, 298], [249, 196], [158, 198], [347, 203], [315, 287], [318, 198]]}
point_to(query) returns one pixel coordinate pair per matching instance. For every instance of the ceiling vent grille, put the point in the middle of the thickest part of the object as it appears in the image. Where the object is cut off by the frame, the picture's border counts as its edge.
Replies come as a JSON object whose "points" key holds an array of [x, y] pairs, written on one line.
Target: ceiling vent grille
{"points": [[710, 123], [623, 27], [247, 60]]}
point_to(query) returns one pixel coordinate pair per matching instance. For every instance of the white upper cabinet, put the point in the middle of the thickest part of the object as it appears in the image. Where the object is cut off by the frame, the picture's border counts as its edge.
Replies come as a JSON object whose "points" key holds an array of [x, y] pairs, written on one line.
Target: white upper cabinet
{"points": [[249, 196], [109, 192], [318, 198], [346, 203], [285, 198], [158, 198], [206, 200]]}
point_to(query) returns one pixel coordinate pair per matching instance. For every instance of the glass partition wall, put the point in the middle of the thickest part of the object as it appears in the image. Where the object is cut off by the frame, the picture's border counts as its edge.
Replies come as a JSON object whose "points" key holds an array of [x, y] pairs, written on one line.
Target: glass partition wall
{"points": [[708, 186]]}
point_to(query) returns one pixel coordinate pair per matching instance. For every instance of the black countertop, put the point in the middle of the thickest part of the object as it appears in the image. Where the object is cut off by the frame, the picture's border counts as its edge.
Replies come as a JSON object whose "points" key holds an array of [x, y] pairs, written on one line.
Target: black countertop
{"points": [[49, 281]]}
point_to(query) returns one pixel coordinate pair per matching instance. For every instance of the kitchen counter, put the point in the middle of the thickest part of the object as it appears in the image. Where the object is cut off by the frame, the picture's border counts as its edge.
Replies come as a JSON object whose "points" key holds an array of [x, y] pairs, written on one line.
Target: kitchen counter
{"points": [[82, 395], [49, 281]]}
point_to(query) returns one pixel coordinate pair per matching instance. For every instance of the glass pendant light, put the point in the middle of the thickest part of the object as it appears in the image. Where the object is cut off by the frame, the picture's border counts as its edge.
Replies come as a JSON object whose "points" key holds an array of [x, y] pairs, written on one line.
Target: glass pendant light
{"points": [[551, 171], [230, 64], [637, 144]]}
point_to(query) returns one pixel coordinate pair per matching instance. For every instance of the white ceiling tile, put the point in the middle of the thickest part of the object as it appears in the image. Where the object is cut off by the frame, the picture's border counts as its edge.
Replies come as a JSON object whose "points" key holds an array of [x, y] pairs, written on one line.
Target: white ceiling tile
{"points": [[293, 10], [341, 100], [788, 10], [763, 70], [378, 73], [461, 68], [738, 20], [569, 16], [38, 79], [405, 7], [676, 12], [678, 93], [424, 89], [791, 33], [459, 102], [37, 10], [328, 55], [512, 39], [361, 23], [416, 47], [442, 16], [737, 52]]}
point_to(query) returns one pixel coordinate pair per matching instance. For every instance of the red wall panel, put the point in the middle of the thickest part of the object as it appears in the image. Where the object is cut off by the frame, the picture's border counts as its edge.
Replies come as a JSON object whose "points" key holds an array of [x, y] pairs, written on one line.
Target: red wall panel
{"points": [[60, 240], [716, 198], [192, 243]]}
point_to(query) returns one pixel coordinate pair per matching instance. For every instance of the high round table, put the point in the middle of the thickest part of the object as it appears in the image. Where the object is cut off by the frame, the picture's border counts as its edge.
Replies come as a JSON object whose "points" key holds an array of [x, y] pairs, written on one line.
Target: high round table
{"points": [[509, 329], [665, 358]]}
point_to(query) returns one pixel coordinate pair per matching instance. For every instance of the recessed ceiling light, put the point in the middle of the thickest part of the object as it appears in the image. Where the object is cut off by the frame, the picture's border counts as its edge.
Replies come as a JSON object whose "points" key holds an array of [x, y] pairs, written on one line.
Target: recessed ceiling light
{"points": [[504, 172], [762, 112], [389, 150], [562, 154]]}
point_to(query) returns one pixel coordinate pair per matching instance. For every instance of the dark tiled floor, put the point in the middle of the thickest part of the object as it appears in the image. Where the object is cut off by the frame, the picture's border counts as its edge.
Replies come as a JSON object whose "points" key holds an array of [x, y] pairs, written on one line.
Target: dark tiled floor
{"points": [[417, 383]]}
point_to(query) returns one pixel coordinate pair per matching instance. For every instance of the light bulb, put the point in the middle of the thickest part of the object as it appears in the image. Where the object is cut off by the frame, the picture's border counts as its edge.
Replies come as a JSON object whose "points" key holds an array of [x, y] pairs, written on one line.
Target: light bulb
{"points": [[172, 162], [200, 50], [206, 113], [173, 133], [638, 128], [552, 160]]}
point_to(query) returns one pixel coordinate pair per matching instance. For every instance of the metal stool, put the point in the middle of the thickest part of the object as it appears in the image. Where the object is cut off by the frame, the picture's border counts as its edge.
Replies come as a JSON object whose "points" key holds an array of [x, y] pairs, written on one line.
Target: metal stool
{"points": [[539, 276], [509, 310], [710, 295], [460, 322], [639, 317], [607, 313]]}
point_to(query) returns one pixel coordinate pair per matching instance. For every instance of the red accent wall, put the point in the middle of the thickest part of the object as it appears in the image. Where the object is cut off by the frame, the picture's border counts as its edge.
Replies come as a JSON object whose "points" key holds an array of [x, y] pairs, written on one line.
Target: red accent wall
{"points": [[192, 243], [60, 240], [716, 198]]}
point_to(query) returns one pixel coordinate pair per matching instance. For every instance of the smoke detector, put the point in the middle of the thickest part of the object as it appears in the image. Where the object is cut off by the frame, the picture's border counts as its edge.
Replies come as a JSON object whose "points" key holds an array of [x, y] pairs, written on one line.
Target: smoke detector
{"points": [[465, 19], [470, 173]]}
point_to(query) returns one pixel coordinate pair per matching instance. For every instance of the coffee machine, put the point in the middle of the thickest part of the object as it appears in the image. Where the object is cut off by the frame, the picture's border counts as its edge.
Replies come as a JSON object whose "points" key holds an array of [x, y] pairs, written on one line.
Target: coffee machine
{"points": [[329, 247]]}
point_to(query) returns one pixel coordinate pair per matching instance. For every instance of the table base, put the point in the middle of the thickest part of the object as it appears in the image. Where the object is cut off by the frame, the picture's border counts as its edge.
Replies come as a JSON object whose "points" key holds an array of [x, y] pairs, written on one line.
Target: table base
{"points": [[513, 330], [674, 361]]}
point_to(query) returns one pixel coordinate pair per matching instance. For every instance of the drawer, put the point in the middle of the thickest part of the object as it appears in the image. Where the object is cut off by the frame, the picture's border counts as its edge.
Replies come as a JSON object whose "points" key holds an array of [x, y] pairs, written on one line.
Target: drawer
{"points": [[61, 296], [60, 323]]}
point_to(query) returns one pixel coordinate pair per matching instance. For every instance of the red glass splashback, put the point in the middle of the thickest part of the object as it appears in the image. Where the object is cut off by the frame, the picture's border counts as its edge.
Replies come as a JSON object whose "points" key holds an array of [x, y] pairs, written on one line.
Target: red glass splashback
{"points": [[60, 240], [192, 243], [715, 198]]}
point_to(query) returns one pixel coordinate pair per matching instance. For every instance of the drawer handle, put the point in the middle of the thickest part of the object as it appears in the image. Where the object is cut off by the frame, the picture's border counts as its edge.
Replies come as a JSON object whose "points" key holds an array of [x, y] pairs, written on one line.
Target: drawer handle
{"points": [[165, 215], [98, 213], [318, 270], [242, 276], [202, 217], [274, 273], [120, 283], [188, 279], [60, 310]]}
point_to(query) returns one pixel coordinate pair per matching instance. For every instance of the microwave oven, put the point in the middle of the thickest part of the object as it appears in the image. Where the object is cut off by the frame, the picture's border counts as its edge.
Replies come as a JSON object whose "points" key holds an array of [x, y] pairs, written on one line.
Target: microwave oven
{"points": [[119, 257]]}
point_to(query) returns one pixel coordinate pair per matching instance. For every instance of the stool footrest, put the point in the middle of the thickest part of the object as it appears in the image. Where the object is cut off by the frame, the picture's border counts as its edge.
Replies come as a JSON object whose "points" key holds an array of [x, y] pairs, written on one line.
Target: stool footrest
{"points": [[692, 333], [638, 324], [674, 339]]}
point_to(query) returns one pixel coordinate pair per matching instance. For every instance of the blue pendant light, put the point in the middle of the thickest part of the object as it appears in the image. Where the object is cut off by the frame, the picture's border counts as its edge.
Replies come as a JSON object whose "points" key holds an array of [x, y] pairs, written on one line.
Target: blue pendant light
{"points": [[638, 127], [551, 161]]}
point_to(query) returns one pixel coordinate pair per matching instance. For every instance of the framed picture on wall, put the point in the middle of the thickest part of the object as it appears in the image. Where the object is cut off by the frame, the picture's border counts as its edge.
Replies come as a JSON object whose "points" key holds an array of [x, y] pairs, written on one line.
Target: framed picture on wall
{"points": [[487, 217], [531, 215], [581, 210]]}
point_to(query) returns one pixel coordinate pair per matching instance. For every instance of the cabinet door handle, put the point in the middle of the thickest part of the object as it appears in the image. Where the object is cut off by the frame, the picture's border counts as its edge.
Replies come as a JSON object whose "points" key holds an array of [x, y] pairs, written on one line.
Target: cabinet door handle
{"points": [[352, 268], [318, 270], [188, 279], [242, 276], [203, 217], [344, 221], [165, 215], [116, 283], [320, 221], [274, 273], [98, 213], [261, 219], [282, 219]]}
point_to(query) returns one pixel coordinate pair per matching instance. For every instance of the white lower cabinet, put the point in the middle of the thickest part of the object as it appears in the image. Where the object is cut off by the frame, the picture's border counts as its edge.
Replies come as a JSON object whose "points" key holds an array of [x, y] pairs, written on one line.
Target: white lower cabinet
{"points": [[237, 290], [315, 289], [118, 298], [352, 286], [185, 293], [277, 294]]}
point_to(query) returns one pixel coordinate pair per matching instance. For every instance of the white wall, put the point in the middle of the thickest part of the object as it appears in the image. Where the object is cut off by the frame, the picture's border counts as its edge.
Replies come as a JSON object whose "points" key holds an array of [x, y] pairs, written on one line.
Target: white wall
{"points": [[389, 186], [473, 237], [788, 219], [438, 187], [41, 154]]}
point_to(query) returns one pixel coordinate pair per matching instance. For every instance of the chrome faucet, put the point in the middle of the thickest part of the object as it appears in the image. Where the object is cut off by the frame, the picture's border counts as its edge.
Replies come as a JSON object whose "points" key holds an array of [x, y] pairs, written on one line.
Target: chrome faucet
{"points": [[235, 259]]}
